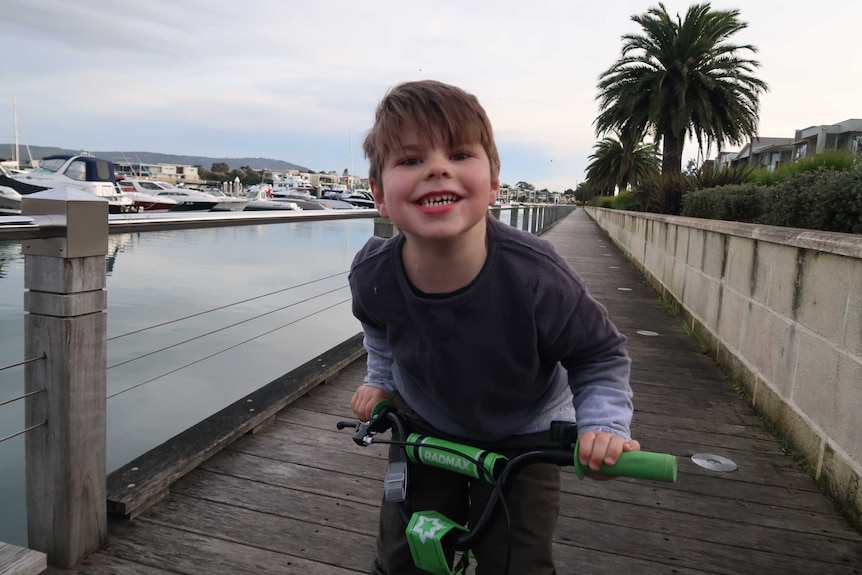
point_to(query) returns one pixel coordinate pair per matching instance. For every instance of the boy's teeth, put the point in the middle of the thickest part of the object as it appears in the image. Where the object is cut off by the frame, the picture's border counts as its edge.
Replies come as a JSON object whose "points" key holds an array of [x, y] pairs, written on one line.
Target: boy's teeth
{"points": [[438, 201]]}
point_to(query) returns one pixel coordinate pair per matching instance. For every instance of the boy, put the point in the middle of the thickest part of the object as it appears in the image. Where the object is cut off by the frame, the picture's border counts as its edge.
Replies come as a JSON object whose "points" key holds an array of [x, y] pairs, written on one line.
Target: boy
{"points": [[476, 331]]}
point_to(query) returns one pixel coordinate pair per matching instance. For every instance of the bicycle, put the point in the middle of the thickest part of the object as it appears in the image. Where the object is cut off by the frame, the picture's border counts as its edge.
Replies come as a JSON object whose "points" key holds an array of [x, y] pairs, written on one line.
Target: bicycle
{"points": [[426, 530]]}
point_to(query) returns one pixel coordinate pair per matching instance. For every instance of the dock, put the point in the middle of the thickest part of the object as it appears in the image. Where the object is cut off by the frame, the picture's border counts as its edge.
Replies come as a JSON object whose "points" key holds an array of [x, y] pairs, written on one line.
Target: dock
{"points": [[298, 496]]}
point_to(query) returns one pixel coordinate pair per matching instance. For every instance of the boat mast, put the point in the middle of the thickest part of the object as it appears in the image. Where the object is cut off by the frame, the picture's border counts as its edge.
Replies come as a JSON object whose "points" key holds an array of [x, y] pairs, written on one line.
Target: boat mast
{"points": [[15, 120]]}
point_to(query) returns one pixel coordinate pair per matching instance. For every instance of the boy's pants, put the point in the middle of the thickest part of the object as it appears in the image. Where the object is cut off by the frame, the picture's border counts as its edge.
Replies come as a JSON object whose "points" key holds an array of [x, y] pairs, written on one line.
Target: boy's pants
{"points": [[533, 501]]}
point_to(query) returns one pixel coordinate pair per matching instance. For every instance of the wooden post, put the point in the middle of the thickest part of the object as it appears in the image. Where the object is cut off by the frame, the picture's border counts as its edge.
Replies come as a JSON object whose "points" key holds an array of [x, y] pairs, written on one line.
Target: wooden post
{"points": [[67, 322], [514, 218]]}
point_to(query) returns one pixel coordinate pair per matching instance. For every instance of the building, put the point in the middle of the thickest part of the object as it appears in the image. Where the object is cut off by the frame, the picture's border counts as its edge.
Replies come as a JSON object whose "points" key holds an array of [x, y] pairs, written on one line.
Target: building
{"points": [[165, 172], [846, 135], [766, 153]]}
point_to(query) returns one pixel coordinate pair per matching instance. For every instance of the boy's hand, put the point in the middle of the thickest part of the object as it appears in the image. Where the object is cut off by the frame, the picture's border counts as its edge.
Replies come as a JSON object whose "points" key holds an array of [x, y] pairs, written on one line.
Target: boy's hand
{"points": [[599, 447], [364, 400]]}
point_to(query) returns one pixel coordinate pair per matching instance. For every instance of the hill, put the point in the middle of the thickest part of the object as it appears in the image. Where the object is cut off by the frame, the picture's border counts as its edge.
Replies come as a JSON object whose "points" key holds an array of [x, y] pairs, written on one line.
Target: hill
{"points": [[39, 152]]}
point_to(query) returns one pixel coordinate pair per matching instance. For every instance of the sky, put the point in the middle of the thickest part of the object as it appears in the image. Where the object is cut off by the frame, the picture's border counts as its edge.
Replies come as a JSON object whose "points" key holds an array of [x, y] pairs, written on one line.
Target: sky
{"points": [[299, 80]]}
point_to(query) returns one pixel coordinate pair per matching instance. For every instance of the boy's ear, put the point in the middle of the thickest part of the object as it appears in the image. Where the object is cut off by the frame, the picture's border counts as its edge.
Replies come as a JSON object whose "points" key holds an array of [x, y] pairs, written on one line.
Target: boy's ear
{"points": [[379, 199], [495, 188]]}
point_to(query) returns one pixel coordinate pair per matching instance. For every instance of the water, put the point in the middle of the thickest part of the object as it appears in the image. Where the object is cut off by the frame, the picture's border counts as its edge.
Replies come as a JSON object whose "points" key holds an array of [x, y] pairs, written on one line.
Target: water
{"points": [[154, 277]]}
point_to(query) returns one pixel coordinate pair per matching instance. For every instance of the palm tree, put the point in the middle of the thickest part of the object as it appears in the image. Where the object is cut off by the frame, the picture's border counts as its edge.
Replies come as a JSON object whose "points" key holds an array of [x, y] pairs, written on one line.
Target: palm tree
{"points": [[681, 78], [617, 163]]}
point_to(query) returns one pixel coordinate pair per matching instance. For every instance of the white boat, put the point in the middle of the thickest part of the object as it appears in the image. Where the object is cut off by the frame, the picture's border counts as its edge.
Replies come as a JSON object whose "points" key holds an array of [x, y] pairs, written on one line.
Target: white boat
{"points": [[82, 172], [148, 202], [10, 199], [335, 204], [359, 198], [186, 199], [260, 199], [228, 203]]}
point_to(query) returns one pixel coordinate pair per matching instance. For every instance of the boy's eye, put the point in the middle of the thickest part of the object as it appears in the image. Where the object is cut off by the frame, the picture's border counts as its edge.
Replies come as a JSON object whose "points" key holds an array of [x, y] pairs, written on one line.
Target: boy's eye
{"points": [[410, 161], [462, 155]]}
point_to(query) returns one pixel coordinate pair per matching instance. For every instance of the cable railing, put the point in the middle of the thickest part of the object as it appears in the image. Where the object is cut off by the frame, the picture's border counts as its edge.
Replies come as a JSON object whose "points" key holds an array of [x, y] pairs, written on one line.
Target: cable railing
{"points": [[229, 348], [23, 431], [25, 362]]}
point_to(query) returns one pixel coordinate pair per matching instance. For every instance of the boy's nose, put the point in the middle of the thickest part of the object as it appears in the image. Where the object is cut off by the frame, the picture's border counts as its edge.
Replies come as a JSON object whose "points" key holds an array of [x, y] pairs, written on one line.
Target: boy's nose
{"points": [[438, 166]]}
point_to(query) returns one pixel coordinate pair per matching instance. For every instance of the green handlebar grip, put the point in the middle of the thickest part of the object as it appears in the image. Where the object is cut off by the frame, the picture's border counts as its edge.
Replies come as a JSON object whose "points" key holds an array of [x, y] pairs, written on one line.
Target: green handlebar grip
{"points": [[379, 406], [638, 464]]}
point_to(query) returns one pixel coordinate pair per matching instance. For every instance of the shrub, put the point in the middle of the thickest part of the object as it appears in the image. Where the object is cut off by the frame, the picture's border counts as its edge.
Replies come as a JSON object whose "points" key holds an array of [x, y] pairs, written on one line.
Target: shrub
{"points": [[826, 199], [708, 177], [662, 193], [741, 203], [836, 160], [622, 201]]}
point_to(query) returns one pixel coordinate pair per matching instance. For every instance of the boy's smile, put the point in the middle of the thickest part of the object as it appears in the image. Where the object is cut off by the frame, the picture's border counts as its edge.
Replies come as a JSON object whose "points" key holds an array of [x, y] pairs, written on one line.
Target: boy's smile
{"points": [[434, 191]]}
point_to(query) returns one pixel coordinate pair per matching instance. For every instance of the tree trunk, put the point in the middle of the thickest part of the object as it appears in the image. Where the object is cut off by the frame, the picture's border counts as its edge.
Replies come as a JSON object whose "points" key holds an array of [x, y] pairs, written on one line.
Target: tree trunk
{"points": [[671, 158]]}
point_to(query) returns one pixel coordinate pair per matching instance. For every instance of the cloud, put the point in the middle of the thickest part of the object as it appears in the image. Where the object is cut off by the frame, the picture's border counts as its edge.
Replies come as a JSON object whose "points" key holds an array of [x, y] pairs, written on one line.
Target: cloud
{"points": [[269, 78]]}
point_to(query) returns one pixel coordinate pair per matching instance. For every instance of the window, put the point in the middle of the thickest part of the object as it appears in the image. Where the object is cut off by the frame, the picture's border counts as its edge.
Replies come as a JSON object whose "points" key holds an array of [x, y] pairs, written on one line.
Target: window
{"points": [[77, 170]]}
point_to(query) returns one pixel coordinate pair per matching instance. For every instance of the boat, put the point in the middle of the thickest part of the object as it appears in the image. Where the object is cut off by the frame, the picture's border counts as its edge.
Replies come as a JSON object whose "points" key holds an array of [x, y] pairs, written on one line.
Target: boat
{"points": [[10, 199], [145, 202], [260, 199], [83, 172], [308, 202], [360, 199], [228, 203], [186, 199], [335, 204]]}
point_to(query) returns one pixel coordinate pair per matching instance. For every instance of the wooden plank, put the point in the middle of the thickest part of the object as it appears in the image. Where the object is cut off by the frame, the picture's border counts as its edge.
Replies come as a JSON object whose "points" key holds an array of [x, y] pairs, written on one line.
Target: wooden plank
{"points": [[675, 548], [145, 480], [283, 501], [308, 538], [345, 485], [16, 560], [190, 553], [702, 525], [100, 563]]}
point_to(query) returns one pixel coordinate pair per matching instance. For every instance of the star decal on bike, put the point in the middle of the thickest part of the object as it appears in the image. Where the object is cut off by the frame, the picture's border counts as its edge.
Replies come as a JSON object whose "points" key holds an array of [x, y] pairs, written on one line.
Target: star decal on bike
{"points": [[427, 527]]}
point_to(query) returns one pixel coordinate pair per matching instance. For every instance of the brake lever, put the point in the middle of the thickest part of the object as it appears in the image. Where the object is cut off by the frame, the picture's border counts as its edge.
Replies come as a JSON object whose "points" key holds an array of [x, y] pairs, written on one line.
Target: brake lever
{"points": [[367, 430]]}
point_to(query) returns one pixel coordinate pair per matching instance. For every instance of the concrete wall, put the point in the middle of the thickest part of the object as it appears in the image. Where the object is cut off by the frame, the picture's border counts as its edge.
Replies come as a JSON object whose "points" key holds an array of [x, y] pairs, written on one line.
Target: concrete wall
{"points": [[781, 310]]}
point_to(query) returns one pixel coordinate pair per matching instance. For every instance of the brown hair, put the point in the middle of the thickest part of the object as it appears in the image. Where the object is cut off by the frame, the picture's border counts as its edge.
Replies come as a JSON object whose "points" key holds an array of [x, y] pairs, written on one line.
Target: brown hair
{"points": [[433, 109]]}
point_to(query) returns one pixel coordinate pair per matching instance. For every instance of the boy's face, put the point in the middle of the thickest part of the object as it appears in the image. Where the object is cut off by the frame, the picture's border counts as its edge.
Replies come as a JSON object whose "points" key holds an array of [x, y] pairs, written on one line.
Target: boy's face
{"points": [[433, 191]]}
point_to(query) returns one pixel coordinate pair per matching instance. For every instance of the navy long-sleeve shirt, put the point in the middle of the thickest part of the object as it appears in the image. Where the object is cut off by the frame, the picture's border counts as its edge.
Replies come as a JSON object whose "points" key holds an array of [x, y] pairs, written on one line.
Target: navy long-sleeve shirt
{"points": [[522, 345]]}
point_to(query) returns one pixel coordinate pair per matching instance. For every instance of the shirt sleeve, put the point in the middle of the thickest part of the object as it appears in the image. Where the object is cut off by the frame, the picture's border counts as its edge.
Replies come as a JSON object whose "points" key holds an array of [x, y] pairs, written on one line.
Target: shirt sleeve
{"points": [[598, 368], [379, 358]]}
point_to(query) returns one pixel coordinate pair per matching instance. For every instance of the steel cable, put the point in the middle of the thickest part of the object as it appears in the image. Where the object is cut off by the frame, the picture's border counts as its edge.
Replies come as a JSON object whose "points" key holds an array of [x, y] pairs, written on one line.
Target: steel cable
{"points": [[22, 432], [225, 306], [228, 348], [179, 343]]}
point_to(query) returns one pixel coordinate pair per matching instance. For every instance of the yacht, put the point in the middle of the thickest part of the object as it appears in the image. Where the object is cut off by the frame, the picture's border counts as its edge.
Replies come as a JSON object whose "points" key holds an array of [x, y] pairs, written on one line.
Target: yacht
{"points": [[228, 203], [186, 199], [82, 172], [147, 202], [360, 199], [10, 199], [260, 198]]}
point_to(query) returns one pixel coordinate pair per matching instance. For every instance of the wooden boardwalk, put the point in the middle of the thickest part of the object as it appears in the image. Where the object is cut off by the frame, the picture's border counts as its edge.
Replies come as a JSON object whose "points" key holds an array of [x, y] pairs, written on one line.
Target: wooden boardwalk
{"points": [[300, 497]]}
